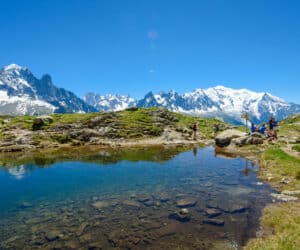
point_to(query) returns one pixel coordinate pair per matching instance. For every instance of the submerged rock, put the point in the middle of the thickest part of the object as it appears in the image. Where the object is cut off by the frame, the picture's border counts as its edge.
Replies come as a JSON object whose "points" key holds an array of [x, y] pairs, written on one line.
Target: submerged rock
{"points": [[181, 215], [131, 203], [169, 229], [52, 235], [25, 205], [184, 211], [186, 202], [233, 202], [215, 222], [101, 204], [212, 212], [81, 228]]}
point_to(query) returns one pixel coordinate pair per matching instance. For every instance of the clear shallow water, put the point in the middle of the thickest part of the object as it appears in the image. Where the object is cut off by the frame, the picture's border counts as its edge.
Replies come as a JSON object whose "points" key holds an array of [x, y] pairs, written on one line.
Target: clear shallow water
{"points": [[132, 204]]}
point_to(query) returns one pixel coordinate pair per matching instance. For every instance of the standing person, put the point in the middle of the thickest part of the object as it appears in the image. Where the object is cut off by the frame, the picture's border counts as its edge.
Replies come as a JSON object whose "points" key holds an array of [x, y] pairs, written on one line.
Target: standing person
{"points": [[195, 128], [216, 128], [275, 128], [253, 127], [270, 132]]}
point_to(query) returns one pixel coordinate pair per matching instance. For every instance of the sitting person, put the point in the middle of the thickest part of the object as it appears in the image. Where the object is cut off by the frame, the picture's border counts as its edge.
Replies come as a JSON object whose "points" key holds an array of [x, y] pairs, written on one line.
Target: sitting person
{"points": [[262, 129], [253, 128]]}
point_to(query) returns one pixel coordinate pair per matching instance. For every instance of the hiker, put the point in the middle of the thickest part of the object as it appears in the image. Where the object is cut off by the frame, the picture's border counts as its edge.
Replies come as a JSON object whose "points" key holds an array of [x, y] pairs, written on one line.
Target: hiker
{"points": [[195, 128], [270, 129], [216, 128], [262, 129], [253, 127], [271, 123], [275, 128]]}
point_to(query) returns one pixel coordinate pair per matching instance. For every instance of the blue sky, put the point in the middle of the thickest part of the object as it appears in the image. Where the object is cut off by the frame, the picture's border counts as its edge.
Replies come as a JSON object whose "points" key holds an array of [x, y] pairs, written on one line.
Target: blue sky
{"points": [[132, 47]]}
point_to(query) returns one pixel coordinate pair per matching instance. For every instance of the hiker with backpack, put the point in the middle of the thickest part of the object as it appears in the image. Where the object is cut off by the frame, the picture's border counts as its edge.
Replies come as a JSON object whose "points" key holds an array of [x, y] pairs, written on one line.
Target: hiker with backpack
{"points": [[275, 128], [195, 129]]}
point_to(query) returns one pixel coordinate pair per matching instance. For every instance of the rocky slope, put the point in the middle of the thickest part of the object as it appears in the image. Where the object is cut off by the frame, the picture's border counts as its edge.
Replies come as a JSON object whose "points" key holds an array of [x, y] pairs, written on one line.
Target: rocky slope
{"points": [[151, 126]]}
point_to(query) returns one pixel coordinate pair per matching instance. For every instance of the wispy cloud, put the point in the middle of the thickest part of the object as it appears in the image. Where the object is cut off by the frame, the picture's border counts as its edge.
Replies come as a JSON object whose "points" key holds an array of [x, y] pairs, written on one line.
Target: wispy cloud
{"points": [[151, 71], [153, 35]]}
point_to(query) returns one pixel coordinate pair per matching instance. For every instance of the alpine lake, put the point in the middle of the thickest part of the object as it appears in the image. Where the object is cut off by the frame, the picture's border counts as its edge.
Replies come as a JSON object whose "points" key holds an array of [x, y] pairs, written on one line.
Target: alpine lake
{"points": [[146, 198]]}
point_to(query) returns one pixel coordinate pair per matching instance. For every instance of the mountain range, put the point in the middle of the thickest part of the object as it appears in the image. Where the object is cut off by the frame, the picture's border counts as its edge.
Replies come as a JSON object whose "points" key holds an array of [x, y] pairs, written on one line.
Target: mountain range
{"points": [[21, 93], [225, 103]]}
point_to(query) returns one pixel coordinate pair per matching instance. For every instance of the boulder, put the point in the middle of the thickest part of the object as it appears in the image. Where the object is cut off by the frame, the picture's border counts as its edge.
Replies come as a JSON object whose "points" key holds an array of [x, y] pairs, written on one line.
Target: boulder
{"points": [[41, 121], [84, 134], [224, 138], [240, 141], [254, 140], [257, 135]]}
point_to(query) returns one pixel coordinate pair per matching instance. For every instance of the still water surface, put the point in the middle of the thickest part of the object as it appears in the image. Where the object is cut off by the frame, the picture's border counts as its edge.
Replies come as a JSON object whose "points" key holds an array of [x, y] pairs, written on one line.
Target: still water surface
{"points": [[192, 200]]}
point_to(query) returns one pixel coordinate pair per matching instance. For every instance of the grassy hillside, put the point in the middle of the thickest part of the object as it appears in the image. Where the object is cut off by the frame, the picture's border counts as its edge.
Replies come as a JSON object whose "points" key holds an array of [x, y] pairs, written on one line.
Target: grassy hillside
{"points": [[79, 129]]}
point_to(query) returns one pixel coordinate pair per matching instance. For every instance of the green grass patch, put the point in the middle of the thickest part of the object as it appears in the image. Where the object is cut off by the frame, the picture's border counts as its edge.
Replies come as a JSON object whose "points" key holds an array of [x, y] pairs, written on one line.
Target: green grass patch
{"points": [[282, 165], [284, 221], [281, 220], [296, 147], [73, 118]]}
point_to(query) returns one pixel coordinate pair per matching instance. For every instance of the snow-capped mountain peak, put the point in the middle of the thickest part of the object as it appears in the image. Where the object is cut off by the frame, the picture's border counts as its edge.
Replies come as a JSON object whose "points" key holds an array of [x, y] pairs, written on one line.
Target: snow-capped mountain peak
{"points": [[13, 66], [109, 101], [22, 93], [216, 101]]}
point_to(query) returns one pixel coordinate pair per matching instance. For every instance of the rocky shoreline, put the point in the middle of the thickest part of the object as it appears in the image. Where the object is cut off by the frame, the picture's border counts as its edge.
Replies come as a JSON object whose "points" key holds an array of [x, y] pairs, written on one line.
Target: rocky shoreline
{"points": [[279, 161]]}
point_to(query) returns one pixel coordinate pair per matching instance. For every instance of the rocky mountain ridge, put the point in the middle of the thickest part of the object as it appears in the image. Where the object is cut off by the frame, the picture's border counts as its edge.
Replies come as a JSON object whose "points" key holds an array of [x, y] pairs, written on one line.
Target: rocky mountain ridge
{"points": [[21, 93]]}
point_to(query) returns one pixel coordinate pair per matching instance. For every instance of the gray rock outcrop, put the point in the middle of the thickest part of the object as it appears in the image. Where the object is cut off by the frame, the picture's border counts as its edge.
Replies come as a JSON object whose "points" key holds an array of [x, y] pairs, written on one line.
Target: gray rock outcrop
{"points": [[224, 138]]}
